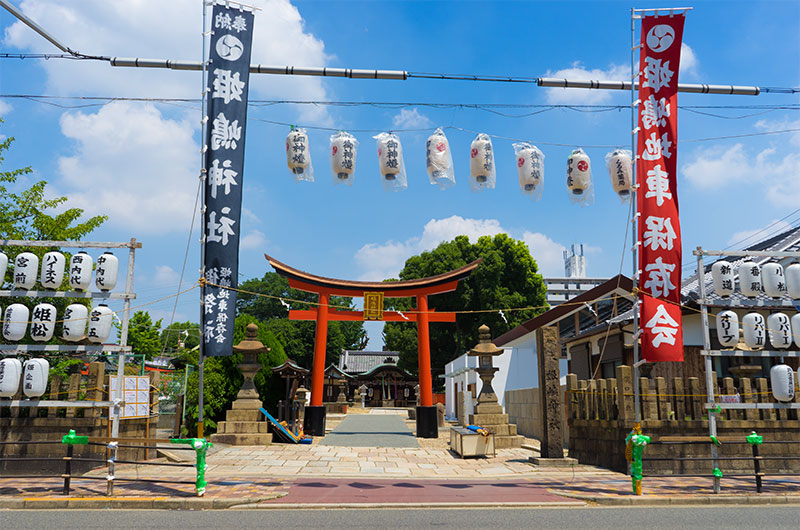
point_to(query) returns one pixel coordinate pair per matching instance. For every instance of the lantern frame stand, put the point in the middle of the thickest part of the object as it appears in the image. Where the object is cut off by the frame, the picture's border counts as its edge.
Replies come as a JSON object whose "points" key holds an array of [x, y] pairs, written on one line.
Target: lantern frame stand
{"points": [[7, 350], [711, 406]]}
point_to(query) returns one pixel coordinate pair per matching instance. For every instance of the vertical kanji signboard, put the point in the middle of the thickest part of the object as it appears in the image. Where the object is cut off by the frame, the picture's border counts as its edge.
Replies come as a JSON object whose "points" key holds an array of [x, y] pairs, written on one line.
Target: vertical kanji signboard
{"points": [[228, 79], [657, 197]]}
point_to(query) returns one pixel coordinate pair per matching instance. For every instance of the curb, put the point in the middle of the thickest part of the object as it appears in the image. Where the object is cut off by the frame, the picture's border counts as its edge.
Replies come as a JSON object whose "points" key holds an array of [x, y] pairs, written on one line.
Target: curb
{"points": [[696, 500], [131, 503], [415, 505]]}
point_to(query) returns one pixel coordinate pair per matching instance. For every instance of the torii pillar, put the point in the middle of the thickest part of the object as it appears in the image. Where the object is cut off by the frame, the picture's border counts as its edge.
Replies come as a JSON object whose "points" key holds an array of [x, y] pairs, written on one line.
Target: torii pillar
{"points": [[314, 420]]}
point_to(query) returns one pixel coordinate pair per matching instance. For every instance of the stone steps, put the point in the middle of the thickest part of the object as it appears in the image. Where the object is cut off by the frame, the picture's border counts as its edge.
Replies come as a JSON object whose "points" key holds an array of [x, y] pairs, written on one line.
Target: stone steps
{"points": [[508, 442], [242, 439], [243, 427]]}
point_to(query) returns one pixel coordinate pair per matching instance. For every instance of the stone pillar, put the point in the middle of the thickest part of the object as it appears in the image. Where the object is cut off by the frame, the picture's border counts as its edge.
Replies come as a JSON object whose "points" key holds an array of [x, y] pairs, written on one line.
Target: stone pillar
{"points": [[550, 389]]}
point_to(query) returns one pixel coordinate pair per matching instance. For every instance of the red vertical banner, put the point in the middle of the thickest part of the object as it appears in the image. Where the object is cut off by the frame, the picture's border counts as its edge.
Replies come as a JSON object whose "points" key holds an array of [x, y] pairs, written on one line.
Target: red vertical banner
{"points": [[657, 197]]}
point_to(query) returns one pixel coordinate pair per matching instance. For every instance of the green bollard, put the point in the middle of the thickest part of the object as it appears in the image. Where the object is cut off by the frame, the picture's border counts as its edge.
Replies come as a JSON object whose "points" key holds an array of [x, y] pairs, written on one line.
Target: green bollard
{"points": [[71, 439], [636, 442], [200, 446]]}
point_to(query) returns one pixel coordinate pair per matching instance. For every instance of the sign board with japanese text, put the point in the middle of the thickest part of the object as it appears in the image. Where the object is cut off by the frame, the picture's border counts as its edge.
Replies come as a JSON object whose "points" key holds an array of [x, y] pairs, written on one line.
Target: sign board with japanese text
{"points": [[657, 197], [373, 306], [228, 79], [135, 398]]}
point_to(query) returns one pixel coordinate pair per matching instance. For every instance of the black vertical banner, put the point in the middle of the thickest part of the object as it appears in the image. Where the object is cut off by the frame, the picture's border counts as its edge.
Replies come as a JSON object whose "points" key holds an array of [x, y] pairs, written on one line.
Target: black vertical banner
{"points": [[228, 79]]}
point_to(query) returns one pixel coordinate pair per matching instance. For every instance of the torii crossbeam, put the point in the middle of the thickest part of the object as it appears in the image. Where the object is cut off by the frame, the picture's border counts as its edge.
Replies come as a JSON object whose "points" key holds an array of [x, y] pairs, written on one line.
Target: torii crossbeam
{"points": [[314, 422]]}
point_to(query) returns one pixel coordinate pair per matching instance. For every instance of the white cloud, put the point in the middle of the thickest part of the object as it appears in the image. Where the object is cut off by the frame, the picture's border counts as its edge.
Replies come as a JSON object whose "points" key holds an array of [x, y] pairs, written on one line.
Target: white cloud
{"points": [[581, 95], [255, 240], [386, 260], [5, 108], [163, 30], [689, 60], [165, 275], [411, 119], [133, 165], [746, 238], [547, 253]]}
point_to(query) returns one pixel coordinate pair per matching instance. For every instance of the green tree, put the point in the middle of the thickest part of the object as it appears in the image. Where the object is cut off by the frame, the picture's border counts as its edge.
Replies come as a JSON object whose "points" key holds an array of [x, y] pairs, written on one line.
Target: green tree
{"points": [[297, 337], [177, 333], [506, 278], [28, 214], [144, 335]]}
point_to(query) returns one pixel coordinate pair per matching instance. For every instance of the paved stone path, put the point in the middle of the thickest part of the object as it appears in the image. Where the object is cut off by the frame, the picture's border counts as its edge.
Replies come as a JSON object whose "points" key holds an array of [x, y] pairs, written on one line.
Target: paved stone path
{"points": [[371, 430]]}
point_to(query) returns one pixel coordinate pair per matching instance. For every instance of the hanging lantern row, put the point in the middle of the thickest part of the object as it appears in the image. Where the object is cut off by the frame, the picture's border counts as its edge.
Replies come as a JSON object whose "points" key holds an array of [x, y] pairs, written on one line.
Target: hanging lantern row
{"points": [[51, 274], [755, 328], [439, 164], [33, 375], [754, 280], [78, 323]]}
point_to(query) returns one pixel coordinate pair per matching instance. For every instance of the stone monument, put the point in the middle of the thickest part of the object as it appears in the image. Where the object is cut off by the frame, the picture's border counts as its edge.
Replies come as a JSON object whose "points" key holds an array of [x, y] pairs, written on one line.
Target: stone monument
{"points": [[488, 412], [244, 423]]}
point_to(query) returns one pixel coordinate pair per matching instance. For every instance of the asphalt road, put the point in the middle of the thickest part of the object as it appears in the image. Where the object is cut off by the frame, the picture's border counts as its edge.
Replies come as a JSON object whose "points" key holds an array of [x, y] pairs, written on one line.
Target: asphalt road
{"points": [[371, 430], [772, 517]]}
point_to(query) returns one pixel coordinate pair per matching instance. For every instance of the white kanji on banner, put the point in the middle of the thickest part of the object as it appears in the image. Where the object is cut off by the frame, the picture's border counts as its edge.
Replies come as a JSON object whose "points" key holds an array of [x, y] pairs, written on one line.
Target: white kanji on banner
{"points": [[663, 327]]}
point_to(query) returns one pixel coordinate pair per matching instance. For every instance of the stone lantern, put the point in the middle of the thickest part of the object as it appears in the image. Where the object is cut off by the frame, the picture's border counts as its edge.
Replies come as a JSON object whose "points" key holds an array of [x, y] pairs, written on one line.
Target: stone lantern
{"points": [[244, 424]]}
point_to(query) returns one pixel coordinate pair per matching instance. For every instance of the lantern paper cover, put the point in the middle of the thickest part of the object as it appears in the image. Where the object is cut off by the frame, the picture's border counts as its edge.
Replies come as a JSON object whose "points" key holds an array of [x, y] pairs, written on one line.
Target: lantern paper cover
{"points": [[772, 280], [796, 329], [99, 324], [10, 376], [481, 164], [343, 149], [792, 274], [579, 178], [723, 278], [750, 279], [780, 331], [620, 170], [3, 267], [105, 275], [34, 379], [298, 156], [26, 269], [728, 328], [15, 322], [390, 162], [530, 169], [75, 319], [52, 275], [43, 322], [753, 331], [782, 382], [80, 271], [439, 160]]}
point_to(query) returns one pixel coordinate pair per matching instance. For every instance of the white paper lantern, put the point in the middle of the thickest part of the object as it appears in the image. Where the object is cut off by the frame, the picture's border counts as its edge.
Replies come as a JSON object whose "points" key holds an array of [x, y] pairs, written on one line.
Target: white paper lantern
{"points": [[781, 378], [530, 169], [579, 172], [728, 328], [15, 322], [80, 271], [620, 169], [34, 378], [773, 280], [439, 160], [75, 318], [753, 331], [3, 267], [10, 376], [390, 162], [43, 322], [99, 324], [105, 275], [343, 157], [750, 279], [792, 274], [52, 275], [26, 269], [298, 155], [481, 163], [722, 274], [796, 329], [780, 331]]}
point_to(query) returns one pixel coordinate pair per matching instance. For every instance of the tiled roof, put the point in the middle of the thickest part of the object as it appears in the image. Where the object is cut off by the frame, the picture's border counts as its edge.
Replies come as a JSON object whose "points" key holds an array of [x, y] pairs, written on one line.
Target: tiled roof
{"points": [[358, 362]]}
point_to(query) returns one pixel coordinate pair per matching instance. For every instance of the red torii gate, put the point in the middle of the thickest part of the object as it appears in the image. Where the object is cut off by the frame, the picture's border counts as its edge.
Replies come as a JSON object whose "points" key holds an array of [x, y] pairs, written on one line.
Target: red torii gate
{"points": [[314, 422]]}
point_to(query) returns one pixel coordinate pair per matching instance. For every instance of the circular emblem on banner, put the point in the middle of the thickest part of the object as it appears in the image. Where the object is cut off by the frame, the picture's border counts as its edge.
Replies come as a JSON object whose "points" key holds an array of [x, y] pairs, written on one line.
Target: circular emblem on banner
{"points": [[582, 165], [229, 47], [660, 37]]}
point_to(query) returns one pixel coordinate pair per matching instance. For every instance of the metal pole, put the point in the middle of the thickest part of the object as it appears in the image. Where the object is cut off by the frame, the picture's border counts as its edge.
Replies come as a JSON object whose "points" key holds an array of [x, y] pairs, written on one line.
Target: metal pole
{"points": [[637, 409], [123, 338], [203, 126], [712, 418]]}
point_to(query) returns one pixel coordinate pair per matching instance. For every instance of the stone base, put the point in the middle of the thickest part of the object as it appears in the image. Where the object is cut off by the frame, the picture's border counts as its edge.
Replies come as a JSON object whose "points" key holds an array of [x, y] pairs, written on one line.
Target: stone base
{"points": [[336, 407], [508, 442], [242, 439], [242, 427], [314, 421], [247, 404], [553, 462]]}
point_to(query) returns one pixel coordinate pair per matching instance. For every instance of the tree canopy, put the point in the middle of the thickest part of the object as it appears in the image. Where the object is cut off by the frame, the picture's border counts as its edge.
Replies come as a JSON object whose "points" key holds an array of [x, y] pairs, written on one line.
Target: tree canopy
{"points": [[297, 337], [507, 278]]}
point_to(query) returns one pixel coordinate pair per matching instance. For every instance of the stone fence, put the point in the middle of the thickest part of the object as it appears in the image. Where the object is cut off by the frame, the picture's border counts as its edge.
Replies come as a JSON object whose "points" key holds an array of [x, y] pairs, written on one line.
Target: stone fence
{"points": [[600, 414], [524, 409]]}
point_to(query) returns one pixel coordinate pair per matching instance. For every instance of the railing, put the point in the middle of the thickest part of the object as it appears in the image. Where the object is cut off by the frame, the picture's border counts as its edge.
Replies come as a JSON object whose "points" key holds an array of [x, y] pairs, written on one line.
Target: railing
{"points": [[754, 440], [112, 445]]}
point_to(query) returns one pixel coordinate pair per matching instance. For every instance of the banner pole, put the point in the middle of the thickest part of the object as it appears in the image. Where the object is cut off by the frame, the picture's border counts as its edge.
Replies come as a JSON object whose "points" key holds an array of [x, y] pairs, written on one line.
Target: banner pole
{"points": [[634, 224], [203, 126]]}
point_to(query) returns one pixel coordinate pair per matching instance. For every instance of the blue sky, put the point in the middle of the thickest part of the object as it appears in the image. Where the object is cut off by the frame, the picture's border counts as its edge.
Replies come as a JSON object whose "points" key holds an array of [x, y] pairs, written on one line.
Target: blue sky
{"points": [[138, 162]]}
